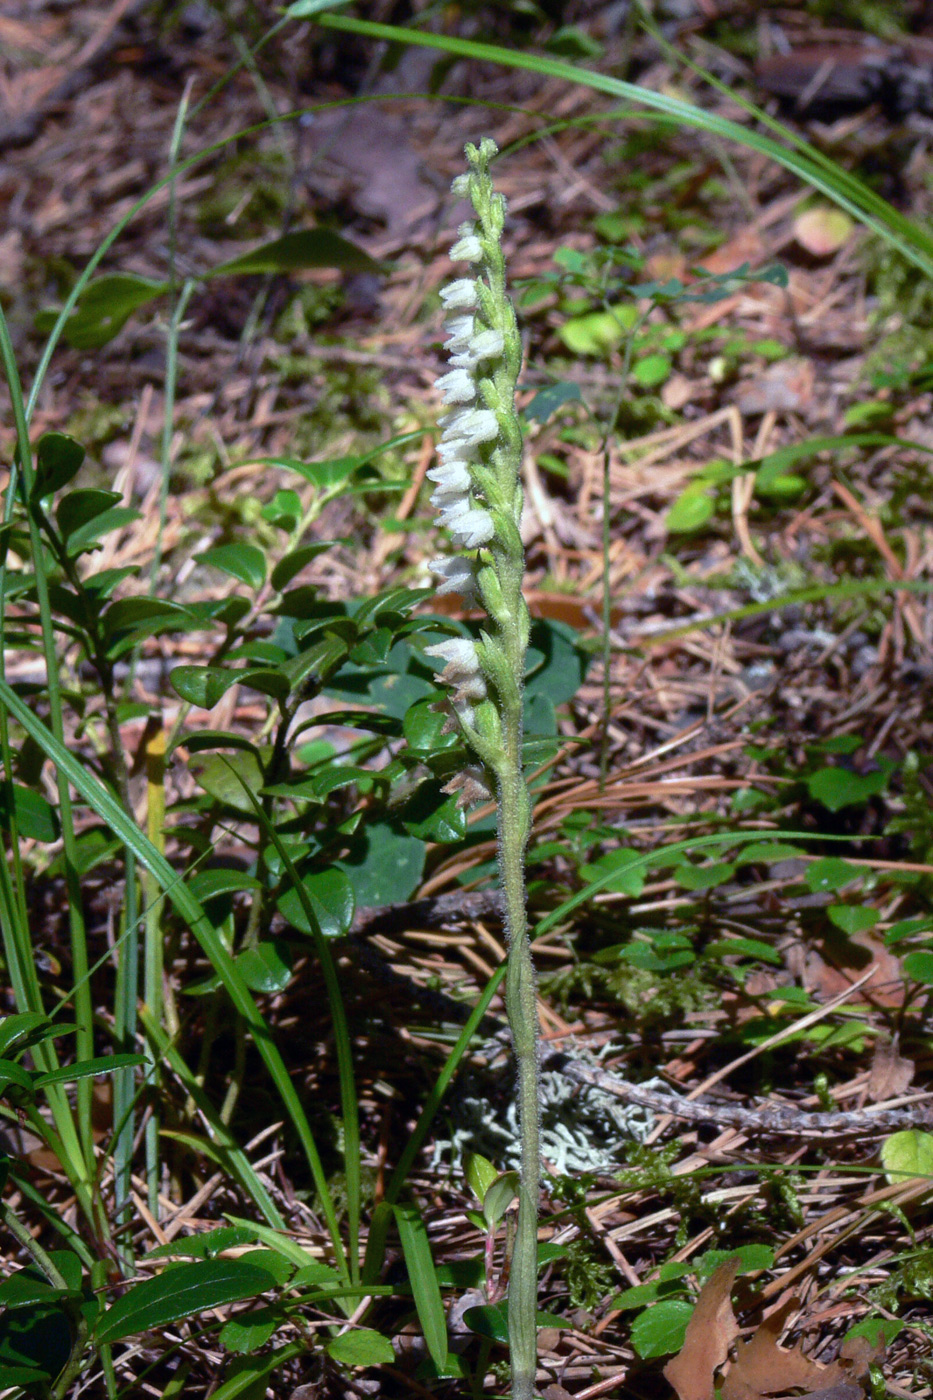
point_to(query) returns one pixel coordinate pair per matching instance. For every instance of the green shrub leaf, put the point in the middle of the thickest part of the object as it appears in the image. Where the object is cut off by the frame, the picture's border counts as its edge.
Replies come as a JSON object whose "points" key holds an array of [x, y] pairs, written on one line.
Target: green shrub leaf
{"points": [[181, 1291], [332, 903], [202, 685], [907, 1154], [660, 1329], [312, 247], [245, 562], [362, 1347]]}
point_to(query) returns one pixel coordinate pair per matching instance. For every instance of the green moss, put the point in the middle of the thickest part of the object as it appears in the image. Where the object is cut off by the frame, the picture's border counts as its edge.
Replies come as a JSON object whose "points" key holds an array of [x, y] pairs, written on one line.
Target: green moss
{"points": [[248, 197]]}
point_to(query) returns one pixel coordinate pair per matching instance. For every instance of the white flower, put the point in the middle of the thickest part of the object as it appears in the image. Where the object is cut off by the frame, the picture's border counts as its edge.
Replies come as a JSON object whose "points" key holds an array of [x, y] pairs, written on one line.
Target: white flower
{"points": [[456, 574], [454, 451], [473, 529], [451, 476], [461, 186], [452, 509], [462, 662], [446, 496], [459, 295], [472, 785], [470, 426], [461, 330], [483, 345], [458, 386], [467, 247]]}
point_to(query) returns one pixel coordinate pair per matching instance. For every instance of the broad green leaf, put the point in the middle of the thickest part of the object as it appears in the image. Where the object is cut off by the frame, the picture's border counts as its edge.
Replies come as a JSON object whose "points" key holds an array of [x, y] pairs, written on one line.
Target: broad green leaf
{"points": [[265, 968], [130, 612], [373, 649], [499, 1197], [422, 726], [661, 1328], [181, 1291], [881, 1330], [838, 787], [36, 1338], [78, 507], [312, 247], [25, 1287], [292, 563], [595, 334], [830, 873], [36, 819], [332, 903], [853, 918], [651, 371], [58, 461], [362, 1347], [203, 686], [13, 1074], [919, 966], [247, 1377], [324, 475], [907, 1154], [283, 511], [489, 1320], [224, 777], [767, 851], [104, 307], [779, 486], [557, 663], [547, 401], [245, 562], [268, 680], [752, 1258], [480, 1174], [211, 884], [416, 1250], [21, 1026], [432, 815], [704, 877], [643, 1294], [908, 928], [627, 871], [693, 509], [248, 1332], [207, 1244], [384, 865], [744, 948]]}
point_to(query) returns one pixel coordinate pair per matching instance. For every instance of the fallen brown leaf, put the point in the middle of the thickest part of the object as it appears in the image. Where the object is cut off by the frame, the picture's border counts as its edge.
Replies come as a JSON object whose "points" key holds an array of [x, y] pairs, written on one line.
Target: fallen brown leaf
{"points": [[761, 1368], [710, 1332]]}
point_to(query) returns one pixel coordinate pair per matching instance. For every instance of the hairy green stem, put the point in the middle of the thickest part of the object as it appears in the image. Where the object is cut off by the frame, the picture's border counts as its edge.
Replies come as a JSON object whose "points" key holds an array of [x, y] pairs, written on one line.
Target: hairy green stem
{"points": [[522, 1008]]}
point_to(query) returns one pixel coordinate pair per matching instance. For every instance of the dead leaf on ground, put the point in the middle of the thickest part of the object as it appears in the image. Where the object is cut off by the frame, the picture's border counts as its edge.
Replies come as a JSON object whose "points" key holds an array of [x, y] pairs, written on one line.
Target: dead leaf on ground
{"points": [[710, 1332], [823, 231], [891, 1074], [761, 1368]]}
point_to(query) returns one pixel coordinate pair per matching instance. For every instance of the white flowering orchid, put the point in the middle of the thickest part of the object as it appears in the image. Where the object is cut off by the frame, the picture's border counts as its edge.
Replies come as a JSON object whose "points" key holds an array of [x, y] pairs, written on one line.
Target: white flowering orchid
{"points": [[460, 295], [478, 494]]}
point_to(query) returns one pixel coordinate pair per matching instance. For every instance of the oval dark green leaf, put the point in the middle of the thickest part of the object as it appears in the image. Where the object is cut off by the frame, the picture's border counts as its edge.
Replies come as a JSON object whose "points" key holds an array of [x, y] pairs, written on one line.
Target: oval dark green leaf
{"points": [[181, 1292], [242, 561]]}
